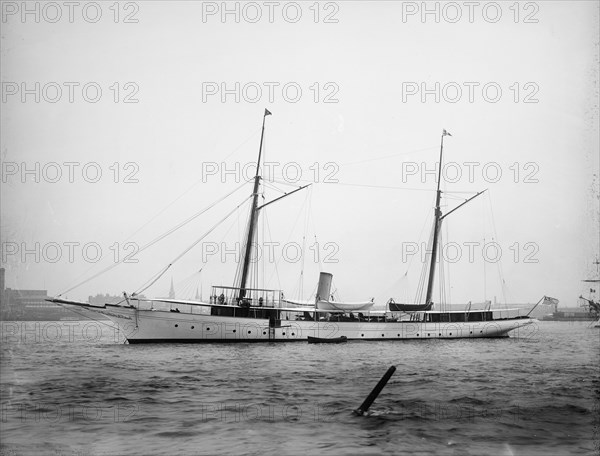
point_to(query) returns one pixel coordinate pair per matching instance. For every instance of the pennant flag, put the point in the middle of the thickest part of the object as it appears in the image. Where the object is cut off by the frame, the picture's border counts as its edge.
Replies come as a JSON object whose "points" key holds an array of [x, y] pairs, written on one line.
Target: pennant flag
{"points": [[267, 112], [550, 301], [445, 133]]}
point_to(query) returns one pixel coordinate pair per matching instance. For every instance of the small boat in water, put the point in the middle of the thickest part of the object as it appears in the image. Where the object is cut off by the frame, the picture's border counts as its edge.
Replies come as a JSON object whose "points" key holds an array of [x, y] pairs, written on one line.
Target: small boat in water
{"points": [[327, 340]]}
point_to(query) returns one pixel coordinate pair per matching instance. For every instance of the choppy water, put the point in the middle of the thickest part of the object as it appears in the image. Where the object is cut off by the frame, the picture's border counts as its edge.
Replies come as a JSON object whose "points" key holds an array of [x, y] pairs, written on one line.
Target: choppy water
{"points": [[73, 388]]}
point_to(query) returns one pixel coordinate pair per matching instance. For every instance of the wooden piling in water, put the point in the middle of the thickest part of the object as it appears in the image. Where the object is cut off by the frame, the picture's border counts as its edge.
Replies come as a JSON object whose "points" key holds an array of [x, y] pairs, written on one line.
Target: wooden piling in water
{"points": [[371, 397]]}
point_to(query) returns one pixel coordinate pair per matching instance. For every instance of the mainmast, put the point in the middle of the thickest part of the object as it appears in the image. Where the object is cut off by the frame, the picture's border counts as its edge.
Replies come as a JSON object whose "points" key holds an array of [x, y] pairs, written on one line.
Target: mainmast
{"points": [[253, 215], [436, 225]]}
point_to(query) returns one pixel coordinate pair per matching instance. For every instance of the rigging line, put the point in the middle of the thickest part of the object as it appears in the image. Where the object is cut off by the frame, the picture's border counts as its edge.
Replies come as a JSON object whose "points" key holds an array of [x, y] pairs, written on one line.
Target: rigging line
{"points": [[452, 197], [484, 258], [263, 273], [312, 221], [313, 295], [255, 270], [196, 242], [363, 185], [426, 268], [164, 209], [239, 270], [420, 284], [141, 249], [311, 167], [221, 241], [499, 263], [189, 219], [291, 184], [389, 187], [359, 185], [448, 296], [188, 285], [152, 280], [255, 132], [303, 211], [388, 156], [307, 205], [440, 284], [276, 261], [425, 222], [272, 187], [180, 196], [442, 267]]}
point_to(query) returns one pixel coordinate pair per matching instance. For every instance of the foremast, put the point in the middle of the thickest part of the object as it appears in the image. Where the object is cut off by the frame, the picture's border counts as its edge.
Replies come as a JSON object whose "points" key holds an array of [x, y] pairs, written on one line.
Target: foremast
{"points": [[253, 215]]}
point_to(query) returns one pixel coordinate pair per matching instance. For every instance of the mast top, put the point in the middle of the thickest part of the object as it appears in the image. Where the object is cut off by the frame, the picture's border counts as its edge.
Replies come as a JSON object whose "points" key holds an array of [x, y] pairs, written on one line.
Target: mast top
{"points": [[267, 113]]}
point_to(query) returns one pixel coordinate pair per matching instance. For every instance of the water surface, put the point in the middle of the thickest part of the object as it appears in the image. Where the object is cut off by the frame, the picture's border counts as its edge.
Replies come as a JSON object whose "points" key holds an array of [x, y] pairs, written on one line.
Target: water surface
{"points": [[74, 388]]}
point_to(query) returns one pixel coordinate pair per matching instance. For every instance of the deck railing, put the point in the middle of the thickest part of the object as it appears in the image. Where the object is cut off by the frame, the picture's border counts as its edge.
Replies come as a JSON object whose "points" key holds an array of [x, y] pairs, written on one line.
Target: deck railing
{"points": [[253, 297]]}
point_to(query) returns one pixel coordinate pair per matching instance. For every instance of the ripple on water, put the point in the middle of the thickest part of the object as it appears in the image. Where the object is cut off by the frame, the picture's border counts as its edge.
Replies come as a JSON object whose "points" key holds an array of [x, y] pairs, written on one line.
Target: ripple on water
{"points": [[456, 397]]}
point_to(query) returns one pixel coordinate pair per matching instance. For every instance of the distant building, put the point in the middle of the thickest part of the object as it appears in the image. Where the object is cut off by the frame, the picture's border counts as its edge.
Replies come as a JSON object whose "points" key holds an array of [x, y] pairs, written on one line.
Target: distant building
{"points": [[101, 299], [31, 305], [571, 314]]}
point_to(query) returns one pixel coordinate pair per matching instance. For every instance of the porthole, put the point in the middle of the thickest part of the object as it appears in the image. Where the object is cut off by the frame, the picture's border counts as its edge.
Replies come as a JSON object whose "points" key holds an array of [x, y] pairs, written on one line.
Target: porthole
{"points": [[249, 332], [417, 334], [234, 330], [264, 332], [283, 334], [382, 335], [208, 329], [362, 335], [293, 334], [440, 334], [450, 333], [471, 332], [398, 335], [177, 326], [428, 334], [481, 332]]}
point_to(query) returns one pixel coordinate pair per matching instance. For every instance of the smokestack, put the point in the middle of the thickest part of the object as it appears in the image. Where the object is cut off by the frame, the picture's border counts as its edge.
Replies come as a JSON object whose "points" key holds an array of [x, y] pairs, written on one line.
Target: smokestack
{"points": [[324, 288]]}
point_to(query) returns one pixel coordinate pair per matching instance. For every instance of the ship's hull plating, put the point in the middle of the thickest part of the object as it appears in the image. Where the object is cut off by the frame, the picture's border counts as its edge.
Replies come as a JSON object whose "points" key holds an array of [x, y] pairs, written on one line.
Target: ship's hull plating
{"points": [[147, 326]]}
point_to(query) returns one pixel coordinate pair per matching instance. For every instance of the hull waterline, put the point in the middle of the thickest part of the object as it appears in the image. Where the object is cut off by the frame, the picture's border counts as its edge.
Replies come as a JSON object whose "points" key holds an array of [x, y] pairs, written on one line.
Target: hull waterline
{"points": [[147, 326]]}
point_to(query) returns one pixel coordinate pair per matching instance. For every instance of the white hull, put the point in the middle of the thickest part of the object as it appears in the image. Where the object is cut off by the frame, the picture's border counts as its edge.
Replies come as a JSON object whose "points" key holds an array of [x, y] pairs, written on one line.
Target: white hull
{"points": [[151, 326]]}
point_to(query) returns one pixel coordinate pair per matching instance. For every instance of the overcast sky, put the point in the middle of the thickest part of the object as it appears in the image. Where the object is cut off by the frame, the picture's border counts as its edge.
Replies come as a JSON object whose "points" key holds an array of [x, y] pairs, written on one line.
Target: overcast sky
{"points": [[162, 98]]}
